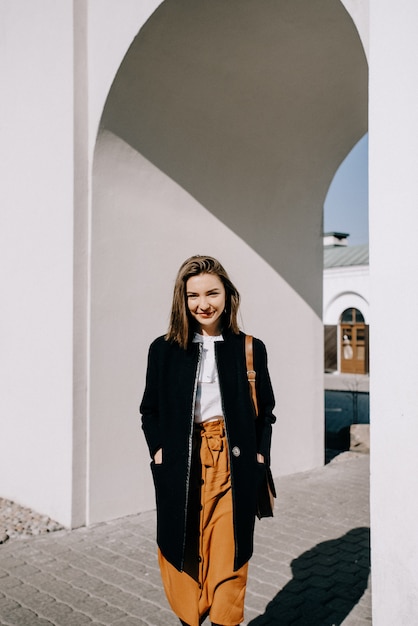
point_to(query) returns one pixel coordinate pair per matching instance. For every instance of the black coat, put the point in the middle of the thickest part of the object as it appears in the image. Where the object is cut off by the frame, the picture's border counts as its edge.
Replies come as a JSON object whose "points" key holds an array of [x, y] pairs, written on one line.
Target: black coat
{"points": [[167, 420]]}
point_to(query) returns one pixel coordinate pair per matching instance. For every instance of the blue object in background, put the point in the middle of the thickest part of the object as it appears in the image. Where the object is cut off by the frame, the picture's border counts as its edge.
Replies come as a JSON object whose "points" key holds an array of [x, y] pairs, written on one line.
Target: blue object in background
{"points": [[343, 408]]}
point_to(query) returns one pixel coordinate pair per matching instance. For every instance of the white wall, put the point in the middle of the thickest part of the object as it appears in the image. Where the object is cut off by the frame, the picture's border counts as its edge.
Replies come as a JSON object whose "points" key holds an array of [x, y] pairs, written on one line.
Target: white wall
{"points": [[112, 26], [144, 224], [394, 341], [359, 12], [52, 101], [36, 156], [345, 287], [144, 227]]}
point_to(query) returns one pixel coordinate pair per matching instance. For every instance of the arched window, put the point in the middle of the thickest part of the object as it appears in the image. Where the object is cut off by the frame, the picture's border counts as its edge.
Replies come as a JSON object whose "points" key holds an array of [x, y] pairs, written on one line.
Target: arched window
{"points": [[352, 316], [354, 342]]}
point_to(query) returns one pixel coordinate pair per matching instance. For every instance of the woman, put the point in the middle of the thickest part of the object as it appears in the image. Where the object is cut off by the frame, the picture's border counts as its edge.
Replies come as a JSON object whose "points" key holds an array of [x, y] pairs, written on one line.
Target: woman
{"points": [[208, 451]]}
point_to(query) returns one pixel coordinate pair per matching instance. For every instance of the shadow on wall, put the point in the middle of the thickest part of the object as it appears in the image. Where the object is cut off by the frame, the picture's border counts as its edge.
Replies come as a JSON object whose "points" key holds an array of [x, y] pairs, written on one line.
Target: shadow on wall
{"points": [[250, 107], [328, 581]]}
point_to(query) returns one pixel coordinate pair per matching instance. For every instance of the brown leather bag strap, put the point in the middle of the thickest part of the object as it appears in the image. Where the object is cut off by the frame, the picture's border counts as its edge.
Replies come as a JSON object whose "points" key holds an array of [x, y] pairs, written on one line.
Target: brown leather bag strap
{"points": [[251, 375]]}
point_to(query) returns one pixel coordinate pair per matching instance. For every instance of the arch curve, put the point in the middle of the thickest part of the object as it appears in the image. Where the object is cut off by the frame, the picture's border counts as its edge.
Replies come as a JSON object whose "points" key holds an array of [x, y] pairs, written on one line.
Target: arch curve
{"points": [[240, 102], [221, 134], [341, 302]]}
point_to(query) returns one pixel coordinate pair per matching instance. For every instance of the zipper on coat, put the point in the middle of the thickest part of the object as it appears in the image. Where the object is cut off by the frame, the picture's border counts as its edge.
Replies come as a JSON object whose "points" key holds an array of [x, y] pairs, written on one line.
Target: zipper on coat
{"points": [[189, 460], [230, 460]]}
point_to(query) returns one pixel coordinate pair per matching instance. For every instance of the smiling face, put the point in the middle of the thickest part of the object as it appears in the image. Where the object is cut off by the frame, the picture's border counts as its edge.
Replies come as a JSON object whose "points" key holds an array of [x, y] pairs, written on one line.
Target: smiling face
{"points": [[206, 299]]}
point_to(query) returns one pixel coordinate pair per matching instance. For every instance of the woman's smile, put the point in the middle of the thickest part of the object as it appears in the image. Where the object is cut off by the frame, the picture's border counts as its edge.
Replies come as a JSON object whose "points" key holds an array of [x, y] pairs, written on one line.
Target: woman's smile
{"points": [[206, 302]]}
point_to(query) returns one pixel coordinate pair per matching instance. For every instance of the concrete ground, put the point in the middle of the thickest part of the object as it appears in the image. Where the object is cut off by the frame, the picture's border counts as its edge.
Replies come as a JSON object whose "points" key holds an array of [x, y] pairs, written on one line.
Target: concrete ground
{"points": [[310, 567]]}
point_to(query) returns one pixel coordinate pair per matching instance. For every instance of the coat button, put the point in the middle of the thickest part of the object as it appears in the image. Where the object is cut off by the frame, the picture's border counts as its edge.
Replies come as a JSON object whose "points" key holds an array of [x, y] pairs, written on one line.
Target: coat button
{"points": [[236, 451]]}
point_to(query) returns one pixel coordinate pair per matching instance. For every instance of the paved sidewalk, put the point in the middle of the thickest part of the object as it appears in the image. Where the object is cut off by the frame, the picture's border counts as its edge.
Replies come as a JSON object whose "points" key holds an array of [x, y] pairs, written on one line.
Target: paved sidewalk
{"points": [[310, 567]]}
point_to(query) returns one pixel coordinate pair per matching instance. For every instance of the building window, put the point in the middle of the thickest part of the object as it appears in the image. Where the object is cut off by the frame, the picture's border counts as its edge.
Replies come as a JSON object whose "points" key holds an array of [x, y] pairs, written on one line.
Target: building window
{"points": [[354, 342]]}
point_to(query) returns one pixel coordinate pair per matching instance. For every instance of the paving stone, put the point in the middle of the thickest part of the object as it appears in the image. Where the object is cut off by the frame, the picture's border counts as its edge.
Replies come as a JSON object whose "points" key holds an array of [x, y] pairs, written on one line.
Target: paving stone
{"points": [[311, 563], [25, 571], [99, 610], [8, 582], [24, 594], [22, 617], [7, 605], [131, 621], [59, 614]]}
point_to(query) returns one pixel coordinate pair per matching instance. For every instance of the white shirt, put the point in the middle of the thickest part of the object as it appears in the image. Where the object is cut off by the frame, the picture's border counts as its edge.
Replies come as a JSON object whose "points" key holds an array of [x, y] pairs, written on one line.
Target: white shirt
{"points": [[208, 404]]}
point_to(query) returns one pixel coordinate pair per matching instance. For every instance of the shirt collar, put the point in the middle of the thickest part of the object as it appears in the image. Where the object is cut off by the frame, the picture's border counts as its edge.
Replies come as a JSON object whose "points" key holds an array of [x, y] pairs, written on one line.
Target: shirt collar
{"points": [[198, 338]]}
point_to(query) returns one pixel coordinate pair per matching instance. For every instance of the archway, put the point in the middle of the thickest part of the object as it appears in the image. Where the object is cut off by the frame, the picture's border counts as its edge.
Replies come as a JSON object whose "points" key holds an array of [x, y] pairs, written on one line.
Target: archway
{"points": [[221, 134]]}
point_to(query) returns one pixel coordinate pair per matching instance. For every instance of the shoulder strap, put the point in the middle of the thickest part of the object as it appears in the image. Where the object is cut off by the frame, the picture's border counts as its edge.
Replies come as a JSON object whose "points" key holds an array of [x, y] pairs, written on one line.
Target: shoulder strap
{"points": [[250, 370]]}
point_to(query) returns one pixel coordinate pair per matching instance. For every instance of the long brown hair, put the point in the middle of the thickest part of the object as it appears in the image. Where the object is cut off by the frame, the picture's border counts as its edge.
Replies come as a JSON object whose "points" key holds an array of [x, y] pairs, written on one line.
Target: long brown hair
{"points": [[181, 327]]}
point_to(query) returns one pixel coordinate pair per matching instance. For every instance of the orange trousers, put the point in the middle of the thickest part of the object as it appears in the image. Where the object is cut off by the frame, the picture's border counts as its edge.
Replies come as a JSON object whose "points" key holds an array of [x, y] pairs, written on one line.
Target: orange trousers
{"points": [[208, 585]]}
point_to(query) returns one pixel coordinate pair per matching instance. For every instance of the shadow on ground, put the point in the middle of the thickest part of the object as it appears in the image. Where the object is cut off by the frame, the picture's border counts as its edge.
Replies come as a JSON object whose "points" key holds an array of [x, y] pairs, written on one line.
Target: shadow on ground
{"points": [[327, 583]]}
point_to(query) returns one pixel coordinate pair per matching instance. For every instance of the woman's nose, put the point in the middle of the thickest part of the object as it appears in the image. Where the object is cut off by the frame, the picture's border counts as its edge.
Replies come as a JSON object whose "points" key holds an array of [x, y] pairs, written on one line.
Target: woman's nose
{"points": [[203, 304]]}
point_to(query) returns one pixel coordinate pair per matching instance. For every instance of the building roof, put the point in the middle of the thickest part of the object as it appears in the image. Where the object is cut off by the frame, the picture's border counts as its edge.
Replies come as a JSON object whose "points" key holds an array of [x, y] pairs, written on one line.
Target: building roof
{"points": [[338, 235], [345, 256], [335, 239]]}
